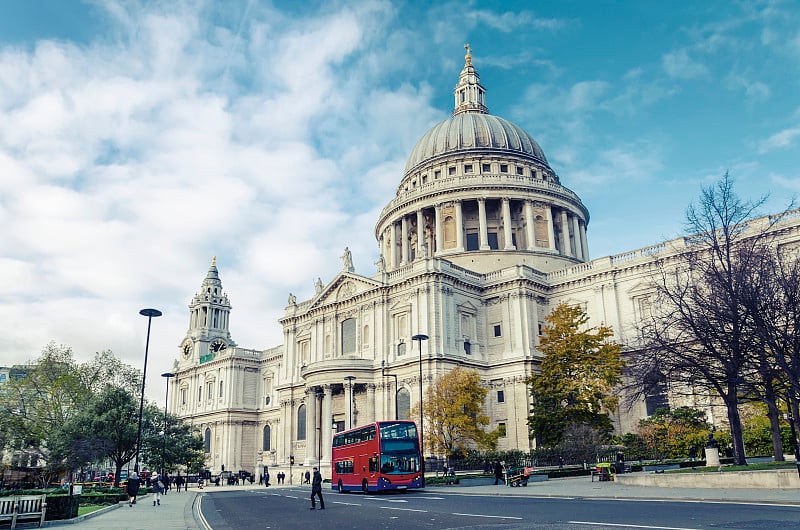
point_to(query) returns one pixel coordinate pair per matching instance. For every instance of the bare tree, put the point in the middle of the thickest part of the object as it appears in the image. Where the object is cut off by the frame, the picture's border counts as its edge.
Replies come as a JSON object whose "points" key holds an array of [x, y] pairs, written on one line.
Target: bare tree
{"points": [[773, 300], [701, 335]]}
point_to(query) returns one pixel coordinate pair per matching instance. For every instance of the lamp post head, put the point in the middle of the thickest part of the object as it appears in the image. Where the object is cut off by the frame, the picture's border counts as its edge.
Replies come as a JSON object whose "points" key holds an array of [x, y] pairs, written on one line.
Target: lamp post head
{"points": [[420, 337], [150, 313], [167, 375]]}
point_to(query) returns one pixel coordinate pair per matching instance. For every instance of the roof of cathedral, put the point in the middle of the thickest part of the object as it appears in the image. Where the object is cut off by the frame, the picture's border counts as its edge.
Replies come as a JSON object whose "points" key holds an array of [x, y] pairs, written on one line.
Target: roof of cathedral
{"points": [[472, 127]]}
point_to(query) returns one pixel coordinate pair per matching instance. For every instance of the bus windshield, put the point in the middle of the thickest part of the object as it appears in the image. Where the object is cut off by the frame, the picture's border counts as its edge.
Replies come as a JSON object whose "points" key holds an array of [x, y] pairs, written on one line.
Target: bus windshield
{"points": [[399, 448]]}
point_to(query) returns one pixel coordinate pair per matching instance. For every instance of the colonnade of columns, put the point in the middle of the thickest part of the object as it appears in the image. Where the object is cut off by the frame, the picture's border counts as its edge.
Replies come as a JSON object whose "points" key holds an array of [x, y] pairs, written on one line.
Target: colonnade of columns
{"points": [[398, 250]]}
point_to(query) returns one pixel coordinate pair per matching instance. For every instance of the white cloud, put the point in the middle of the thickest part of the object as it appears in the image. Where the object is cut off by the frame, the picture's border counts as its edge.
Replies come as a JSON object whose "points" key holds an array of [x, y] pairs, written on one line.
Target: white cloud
{"points": [[679, 65], [779, 140]]}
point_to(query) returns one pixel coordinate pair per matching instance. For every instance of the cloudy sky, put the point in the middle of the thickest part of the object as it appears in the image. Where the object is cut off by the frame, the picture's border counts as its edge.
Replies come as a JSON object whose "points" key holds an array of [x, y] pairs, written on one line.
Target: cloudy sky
{"points": [[138, 140]]}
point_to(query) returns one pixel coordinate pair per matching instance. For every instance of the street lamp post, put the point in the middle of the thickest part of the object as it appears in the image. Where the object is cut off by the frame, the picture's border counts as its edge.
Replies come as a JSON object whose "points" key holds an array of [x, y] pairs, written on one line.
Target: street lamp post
{"points": [[349, 379], [150, 314], [384, 374], [166, 405], [419, 338]]}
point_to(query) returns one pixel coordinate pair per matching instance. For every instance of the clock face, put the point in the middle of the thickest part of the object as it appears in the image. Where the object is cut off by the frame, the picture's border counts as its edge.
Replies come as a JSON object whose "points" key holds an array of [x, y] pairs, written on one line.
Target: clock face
{"points": [[187, 349], [218, 345]]}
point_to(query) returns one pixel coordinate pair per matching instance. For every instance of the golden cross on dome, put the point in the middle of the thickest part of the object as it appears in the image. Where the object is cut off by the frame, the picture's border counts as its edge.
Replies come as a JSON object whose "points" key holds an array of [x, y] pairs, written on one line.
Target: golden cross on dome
{"points": [[468, 56]]}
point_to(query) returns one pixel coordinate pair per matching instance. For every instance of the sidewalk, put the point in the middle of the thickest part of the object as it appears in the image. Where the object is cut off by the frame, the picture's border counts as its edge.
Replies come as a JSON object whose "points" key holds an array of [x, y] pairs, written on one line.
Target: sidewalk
{"points": [[174, 513]]}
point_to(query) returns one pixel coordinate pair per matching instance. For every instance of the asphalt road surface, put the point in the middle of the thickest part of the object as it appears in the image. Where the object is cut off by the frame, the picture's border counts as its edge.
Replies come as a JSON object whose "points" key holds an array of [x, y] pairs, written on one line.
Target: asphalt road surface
{"points": [[288, 508]]}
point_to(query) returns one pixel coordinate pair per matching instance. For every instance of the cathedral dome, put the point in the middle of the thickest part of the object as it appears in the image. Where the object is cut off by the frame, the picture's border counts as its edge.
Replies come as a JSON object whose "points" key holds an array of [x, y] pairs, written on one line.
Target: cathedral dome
{"points": [[466, 131]]}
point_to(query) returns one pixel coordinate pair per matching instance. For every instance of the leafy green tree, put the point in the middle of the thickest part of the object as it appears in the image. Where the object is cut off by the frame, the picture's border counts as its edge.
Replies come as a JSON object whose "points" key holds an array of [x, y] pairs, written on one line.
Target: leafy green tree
{"points": [[575, 386], [670, 433], [39, 400], [166, 450], [454, 414]]}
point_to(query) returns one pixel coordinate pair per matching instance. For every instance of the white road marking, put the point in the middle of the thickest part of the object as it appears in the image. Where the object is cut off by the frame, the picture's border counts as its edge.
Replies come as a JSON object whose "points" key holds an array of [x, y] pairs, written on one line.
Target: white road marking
{"points": [[401, 509], [620, 525], [487, 516], [346, 503]]}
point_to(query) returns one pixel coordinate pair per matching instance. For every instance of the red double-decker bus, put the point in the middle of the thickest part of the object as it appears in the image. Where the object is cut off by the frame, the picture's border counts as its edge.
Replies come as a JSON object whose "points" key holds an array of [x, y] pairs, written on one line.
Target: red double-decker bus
{"points": [[380, 456]]}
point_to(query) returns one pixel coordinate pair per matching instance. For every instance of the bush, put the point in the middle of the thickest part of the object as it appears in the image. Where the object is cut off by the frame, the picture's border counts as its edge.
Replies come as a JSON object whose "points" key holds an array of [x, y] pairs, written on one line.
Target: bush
{"points": [[61, 507]]}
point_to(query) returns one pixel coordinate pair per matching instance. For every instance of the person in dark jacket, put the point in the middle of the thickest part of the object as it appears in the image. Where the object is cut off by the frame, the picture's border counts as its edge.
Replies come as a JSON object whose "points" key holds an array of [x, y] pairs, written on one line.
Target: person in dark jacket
{"points": [[498, 473], [316, 489], [133, 488]]}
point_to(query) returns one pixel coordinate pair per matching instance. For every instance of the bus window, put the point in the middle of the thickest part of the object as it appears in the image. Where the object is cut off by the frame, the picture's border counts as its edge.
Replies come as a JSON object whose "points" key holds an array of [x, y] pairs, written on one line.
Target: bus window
{"points": [[373, 464]]}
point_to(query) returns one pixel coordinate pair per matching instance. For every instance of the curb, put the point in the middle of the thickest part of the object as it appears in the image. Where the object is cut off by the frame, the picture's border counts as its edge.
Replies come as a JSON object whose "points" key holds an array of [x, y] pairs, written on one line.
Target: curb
{"points": [[80, 518]]}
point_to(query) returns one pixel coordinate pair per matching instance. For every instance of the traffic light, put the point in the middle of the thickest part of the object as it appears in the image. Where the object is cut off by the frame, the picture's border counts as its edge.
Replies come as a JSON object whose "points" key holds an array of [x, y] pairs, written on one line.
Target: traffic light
{"points": [[291, 460]]}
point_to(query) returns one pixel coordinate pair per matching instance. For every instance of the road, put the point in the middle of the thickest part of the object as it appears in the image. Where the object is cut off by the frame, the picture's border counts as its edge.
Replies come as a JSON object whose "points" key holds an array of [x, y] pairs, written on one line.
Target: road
{"points": [[288, 508]]}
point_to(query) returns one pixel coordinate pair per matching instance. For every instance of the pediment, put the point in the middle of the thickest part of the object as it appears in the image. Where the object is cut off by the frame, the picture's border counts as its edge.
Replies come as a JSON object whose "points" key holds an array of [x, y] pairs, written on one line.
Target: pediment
{"points": [[640, 289], [345, 285]]}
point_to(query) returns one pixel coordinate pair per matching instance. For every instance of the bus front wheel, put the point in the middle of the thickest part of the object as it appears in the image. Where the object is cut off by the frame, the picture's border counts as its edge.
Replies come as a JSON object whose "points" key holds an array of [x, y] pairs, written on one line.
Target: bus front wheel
{"points": [[339, 487], [364, 488]]}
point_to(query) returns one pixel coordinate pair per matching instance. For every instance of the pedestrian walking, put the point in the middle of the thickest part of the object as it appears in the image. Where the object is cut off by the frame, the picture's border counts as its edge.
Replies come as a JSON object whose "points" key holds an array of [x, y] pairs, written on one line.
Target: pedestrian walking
{"points": [[158, 488], [316, 489], [498, 473], [167, 483], [133, 488], [178, 482], [308, 477], [266, 476]]}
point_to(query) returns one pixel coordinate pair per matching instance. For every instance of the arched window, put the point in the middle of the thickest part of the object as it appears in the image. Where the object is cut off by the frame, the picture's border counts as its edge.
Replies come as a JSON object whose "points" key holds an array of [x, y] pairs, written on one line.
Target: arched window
{"points": [[267, 432], [301, 422], [207, 440], [403, 404]]}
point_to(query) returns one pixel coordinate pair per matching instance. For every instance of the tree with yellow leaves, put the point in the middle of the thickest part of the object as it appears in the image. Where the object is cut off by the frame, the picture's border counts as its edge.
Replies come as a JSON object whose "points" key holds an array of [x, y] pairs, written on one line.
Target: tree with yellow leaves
{"points": [[453, 414]]}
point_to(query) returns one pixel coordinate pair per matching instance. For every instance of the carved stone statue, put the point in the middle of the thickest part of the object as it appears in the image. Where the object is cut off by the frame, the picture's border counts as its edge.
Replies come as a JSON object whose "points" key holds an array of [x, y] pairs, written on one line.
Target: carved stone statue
{"points": [[292, 299], [318, 286], [347, 260], [381, 263]]}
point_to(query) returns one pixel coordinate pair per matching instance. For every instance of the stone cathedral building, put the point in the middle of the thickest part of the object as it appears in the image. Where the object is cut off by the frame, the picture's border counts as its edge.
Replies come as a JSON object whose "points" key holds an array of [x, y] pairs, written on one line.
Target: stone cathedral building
{"points": [[481, 241]]}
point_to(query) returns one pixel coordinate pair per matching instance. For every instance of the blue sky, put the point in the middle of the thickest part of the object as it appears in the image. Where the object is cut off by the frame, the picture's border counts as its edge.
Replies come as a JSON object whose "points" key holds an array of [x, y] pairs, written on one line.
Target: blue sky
{"points": [[138, 140]]}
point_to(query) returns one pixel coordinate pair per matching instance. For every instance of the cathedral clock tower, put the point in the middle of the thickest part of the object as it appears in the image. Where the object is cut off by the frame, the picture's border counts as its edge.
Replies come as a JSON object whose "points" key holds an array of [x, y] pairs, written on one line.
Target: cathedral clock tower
{"points": [[209, 320]]}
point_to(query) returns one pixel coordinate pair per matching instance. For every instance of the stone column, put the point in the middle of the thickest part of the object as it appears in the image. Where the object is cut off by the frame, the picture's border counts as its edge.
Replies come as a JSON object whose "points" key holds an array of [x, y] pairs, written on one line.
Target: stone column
{"points": [[576, 228], [327, 421], [369, 415], [459, 227], [551, 230], [311, 427], [565, 233], [482, 230], [584, 242], [530, 232], [438, 213], [393, 248], [509, 241], [420, 233], [404, 254]]}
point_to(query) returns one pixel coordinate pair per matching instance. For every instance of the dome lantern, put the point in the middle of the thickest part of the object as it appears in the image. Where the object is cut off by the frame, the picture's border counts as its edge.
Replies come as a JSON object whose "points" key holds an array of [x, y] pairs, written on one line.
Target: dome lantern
{"points": [[470, 95]]}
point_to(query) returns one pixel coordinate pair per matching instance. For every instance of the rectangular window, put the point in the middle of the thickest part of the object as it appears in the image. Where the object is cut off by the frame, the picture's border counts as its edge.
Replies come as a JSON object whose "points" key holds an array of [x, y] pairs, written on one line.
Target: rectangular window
{"points": [[220, 389], [467, 168], [492, 240], [472, 241], [497, 331], [501, 397], [210, 390], [436, 175], [451, 170], [501, 427], [183, 396], [401, 348], [349, 336], [540, 328], [503, 168], [519, 170], [424, 179], [200, 393], [486, 168]]}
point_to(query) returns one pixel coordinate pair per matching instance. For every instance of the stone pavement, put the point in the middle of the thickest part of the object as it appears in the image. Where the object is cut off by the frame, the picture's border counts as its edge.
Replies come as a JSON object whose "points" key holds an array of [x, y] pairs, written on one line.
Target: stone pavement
{"points": [[178, 510]]}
